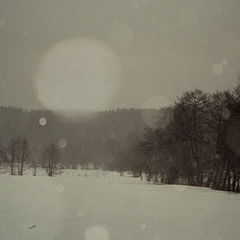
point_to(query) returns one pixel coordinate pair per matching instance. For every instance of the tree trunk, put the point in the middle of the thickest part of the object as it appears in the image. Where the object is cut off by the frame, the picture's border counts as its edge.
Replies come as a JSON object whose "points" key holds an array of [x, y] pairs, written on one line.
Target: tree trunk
{"points": [[238, 185], [22, 163], [234, 181], [229, 182], [51, 165], [12, 161], [220, 181], [12, 166], [226, 175], [149, 176]]}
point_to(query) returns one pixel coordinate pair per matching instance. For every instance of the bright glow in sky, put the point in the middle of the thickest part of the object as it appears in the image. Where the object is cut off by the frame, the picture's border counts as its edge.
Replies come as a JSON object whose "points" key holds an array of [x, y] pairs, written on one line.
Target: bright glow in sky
{"points": [[92, 55], [78, 75]]}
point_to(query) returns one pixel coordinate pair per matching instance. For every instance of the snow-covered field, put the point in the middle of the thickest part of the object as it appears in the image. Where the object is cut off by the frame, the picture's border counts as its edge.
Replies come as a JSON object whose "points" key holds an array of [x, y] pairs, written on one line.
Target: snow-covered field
{"points": [[78, 205]]}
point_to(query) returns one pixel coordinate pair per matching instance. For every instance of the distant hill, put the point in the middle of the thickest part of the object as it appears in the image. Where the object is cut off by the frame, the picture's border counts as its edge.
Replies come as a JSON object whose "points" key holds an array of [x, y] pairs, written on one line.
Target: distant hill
{"points": [[81, 140]]}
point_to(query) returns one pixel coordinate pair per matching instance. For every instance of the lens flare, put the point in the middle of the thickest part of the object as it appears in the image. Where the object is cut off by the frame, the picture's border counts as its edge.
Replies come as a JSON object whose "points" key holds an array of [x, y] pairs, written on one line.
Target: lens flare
{"points": [[78, 75]]}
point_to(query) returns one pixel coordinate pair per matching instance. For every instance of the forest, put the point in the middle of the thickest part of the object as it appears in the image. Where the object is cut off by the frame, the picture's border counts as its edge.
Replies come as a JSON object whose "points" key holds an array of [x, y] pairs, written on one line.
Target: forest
{"points": [[199, 147], [196, 141], [34, 139]]}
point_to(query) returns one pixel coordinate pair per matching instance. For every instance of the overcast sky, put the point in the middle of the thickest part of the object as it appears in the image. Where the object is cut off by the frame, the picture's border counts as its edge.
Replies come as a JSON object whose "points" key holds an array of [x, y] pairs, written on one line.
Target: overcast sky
{"points": [[145, 52]]}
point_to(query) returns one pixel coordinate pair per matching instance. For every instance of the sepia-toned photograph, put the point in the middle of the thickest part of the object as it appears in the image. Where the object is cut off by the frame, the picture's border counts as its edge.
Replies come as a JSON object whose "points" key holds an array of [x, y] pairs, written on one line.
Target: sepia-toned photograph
{"points": [[119, 119]]}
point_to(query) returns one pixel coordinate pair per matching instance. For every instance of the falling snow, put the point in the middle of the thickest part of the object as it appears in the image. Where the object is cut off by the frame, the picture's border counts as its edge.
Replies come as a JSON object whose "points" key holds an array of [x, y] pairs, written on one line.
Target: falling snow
{"points": [[62, 143], [42, 121], [226, 114], [224, 62], [217, 69]]}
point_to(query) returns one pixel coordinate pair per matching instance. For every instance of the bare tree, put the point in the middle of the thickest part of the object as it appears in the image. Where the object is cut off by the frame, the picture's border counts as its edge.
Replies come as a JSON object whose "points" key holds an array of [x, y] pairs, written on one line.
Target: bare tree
{"points": [[35, 164], [23, 152], [51, 158], [3, 156], [13, 154]]}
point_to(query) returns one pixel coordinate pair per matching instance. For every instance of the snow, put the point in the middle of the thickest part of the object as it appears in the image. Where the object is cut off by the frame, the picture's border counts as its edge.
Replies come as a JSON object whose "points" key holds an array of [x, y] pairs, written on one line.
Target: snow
{"points": [[84, 205]]}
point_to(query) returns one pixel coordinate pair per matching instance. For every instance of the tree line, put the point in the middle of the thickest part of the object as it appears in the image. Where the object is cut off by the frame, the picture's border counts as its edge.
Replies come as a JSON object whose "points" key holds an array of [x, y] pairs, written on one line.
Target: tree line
{"points": [[200, 146], [196, 141], [18, 155], [88, 140]]}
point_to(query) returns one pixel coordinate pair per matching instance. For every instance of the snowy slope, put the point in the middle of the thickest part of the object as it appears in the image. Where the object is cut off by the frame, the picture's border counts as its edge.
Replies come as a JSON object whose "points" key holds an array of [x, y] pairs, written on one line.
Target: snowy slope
{"points": [[74, 207]]}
